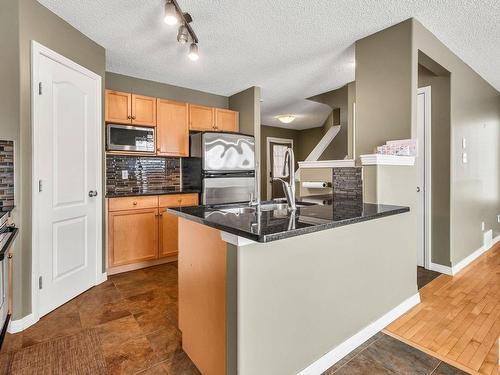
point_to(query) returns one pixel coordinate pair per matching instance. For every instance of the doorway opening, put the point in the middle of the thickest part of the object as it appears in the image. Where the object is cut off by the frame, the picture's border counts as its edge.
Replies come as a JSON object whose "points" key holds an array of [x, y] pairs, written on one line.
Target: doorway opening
{"points": [[276, 148]]}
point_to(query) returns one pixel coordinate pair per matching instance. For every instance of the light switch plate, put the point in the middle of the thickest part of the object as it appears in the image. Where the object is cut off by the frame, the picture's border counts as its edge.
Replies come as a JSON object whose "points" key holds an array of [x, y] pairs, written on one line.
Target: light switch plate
{"points": [[482, 226], [124, 175], [464, 143], [464, 157], [498, 218]]}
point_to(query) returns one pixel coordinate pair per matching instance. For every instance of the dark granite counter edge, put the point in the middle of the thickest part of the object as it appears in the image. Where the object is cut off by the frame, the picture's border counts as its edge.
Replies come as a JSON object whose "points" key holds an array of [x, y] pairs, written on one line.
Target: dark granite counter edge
{"points": [[291, 233], [139, 194]]}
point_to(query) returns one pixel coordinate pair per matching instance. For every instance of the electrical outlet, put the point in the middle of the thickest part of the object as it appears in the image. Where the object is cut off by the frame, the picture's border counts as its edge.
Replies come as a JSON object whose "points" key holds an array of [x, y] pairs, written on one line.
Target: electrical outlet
{"points": [[464, 157], [482, 226], [125, 175]]}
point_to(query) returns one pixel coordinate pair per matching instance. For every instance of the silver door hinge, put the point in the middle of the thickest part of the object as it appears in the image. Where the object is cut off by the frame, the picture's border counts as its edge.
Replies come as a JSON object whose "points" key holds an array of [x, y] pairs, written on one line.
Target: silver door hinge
{"points": [[39, 88], [40, 186], [40, 282]]}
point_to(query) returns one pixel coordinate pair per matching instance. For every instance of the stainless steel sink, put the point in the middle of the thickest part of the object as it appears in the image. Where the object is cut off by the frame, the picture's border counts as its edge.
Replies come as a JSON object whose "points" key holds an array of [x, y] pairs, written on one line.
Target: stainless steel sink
{"points": [[278, 206], [238, 210]]}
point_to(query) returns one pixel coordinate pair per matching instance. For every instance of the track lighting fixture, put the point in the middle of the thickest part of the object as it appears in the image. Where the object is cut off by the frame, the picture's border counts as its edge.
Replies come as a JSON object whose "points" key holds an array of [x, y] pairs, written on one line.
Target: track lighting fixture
{"points": [[183, 35], [171, 17], [174, 15], [193, 52]]}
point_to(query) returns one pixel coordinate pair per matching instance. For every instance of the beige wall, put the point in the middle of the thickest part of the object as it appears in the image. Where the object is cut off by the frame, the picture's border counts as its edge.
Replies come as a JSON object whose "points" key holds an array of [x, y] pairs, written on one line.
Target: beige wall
{"points": [[475, 115], [247, 103], [383, 87], [357, 279], [386, 84], [121, 82], [440, 162], [39, 24]]}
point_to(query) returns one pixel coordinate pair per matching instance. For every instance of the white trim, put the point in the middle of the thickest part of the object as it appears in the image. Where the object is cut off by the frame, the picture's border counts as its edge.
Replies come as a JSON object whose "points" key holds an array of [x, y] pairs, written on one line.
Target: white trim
{"points": [[464, 262], [440, 268], [379, 159], [327, 163], [340, 351], [323, 143], [234, 239], [427, 183], [472, 257], [19, 325], [101, 278], [268, 160], [38, 50]]}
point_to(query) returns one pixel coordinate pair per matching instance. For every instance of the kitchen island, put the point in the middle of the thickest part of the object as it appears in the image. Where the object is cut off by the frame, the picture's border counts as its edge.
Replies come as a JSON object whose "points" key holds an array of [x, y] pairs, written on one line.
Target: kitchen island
{"points": [[273, 291]]}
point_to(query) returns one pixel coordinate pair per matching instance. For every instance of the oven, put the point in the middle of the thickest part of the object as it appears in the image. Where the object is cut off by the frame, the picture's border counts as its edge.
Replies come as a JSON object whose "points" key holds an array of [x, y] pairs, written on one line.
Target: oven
{"points": [[130, 138]]}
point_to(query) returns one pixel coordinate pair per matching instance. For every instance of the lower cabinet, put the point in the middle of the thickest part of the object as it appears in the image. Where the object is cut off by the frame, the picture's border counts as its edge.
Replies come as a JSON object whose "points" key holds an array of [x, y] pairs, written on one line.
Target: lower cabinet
{"points": [[133, 236], [140, 237]]}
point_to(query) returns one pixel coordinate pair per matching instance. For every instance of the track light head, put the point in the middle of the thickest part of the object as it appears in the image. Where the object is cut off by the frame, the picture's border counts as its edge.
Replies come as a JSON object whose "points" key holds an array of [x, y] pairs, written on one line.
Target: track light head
{"points": [[193, 52], [171, 17], [183, 34]]}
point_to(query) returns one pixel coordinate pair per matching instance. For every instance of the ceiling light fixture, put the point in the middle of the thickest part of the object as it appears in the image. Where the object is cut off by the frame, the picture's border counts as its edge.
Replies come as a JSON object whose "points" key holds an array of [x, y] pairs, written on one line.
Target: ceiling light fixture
{"points": [[286, 119], [183, 35], [193, 52], [173, 15]]}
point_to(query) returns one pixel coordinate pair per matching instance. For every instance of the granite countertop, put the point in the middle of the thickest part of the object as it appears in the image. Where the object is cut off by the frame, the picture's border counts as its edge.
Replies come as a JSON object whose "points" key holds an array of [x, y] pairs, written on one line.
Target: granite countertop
{"points": [[279, 224], [149, 192]]}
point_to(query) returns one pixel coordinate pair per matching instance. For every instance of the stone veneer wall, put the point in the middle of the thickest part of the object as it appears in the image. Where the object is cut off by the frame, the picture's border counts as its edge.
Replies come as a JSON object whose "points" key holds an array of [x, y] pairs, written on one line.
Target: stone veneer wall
{"points": [[347, 182], [6, 173], [145, 173]]}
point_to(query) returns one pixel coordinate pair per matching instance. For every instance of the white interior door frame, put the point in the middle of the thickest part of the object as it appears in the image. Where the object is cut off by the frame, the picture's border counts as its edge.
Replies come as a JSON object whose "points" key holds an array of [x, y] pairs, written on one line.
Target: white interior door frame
{"points": [[270, 140], [38, 51], [427, 183]]}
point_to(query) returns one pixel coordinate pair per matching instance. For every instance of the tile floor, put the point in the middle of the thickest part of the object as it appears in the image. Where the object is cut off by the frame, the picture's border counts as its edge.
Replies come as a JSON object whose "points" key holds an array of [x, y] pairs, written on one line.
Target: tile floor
{"points": [[424, 276], [135, 316]]}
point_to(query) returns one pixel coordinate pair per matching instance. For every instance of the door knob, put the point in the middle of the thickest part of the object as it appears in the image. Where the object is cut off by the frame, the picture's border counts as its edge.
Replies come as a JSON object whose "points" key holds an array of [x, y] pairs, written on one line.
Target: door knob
{"points": [[92, 193], [418, 189]]}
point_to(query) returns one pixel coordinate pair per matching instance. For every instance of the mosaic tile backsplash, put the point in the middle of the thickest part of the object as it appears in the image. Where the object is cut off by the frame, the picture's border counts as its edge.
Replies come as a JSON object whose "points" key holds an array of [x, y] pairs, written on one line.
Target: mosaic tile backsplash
{"points": [[6, 173], [347, 182], [144, 174]]}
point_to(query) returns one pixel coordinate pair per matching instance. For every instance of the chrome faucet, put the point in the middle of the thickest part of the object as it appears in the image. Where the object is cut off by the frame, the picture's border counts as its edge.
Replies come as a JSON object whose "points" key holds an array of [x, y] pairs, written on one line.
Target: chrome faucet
{"points": [[289, 187]]}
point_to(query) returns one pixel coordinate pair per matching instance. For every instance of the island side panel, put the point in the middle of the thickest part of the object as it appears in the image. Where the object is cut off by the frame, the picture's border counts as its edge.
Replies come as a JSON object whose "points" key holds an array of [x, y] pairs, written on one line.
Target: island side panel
{"points": [[202, 296], [299, 298]]}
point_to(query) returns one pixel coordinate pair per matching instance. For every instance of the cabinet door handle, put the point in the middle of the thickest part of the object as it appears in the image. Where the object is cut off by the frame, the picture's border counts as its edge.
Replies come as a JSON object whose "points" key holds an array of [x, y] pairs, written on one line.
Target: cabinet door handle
{"points": [[134, 203], [158, 149], [129, 117], [133, 117]]}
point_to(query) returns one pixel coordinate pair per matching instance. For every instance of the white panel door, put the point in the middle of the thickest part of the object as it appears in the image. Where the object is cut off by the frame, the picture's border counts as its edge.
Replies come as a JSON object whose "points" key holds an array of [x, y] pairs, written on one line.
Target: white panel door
{"points": [[67, 167]]}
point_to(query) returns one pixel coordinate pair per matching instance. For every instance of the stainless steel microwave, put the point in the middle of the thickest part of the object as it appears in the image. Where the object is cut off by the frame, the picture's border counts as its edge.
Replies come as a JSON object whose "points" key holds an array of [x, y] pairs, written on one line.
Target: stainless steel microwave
{"points": [[130, 138]]}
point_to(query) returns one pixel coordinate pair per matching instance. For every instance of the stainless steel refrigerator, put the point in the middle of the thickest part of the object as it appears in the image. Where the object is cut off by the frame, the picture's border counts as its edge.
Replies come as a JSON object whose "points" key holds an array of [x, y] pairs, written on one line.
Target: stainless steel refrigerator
{"points": [[226, 165]]}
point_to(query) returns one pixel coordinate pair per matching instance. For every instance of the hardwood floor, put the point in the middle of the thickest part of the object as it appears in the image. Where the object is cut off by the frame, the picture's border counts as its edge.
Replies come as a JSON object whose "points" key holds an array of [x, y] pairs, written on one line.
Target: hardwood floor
{"points": [[458, 320]]}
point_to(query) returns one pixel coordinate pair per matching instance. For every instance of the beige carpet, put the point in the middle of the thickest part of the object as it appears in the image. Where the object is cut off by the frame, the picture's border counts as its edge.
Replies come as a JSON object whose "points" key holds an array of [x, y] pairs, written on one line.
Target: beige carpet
{"points": [[77, 354]]}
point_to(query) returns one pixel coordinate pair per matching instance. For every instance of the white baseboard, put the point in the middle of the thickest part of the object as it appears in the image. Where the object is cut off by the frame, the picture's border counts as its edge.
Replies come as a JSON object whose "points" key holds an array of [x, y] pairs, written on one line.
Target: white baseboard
{"points": [[339, 352], [19, 325], [441, 269], [472, 257], [466, 261], [102, 278]]}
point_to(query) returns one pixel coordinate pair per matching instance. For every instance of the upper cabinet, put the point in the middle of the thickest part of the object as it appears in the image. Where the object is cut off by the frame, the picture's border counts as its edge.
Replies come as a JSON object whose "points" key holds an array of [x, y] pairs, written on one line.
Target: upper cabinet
{"points": [[226, 120], [143, 110], [212, 119], [201, 118], [126, 108], [118, 107], [172, 133]]}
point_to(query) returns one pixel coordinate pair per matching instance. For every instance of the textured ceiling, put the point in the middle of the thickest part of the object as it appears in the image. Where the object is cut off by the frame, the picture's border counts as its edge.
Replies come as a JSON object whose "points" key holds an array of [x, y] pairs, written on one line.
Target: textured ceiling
{"points": [[293, 49]]}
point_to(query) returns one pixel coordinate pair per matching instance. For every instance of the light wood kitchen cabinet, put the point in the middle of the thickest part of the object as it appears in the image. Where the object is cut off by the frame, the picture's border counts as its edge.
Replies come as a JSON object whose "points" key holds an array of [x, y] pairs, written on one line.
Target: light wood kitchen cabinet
{"points": [[227, 120], [132, 203], [126, 108], [201, 118], [132, 236], [168, 232], [143, 110], [118, 107], [172, 130]]}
